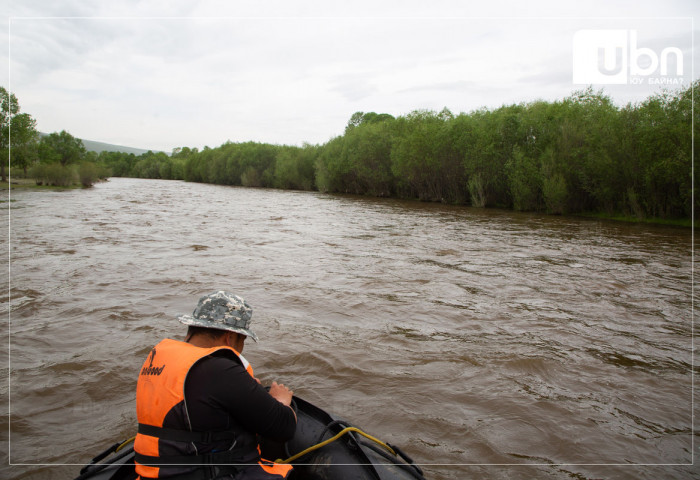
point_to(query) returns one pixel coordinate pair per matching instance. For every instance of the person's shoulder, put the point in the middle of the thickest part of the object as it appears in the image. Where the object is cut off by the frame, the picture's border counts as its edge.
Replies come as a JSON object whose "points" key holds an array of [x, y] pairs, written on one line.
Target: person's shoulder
{"points": [[223, 357]]}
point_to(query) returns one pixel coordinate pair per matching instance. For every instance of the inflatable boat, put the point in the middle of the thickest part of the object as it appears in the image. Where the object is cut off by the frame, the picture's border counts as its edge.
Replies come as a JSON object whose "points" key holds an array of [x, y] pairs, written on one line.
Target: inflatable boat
{"points": [[323, 448]]}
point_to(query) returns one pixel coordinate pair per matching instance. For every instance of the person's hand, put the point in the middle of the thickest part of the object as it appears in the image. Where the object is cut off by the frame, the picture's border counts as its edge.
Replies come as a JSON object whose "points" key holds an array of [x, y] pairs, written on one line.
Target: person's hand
{"points": [[281, 393]]}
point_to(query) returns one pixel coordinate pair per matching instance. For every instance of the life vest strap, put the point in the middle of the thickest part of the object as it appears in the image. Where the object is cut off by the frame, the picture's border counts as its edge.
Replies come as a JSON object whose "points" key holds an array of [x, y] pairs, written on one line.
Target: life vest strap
{"points": [[178, 435], [229, 458]]}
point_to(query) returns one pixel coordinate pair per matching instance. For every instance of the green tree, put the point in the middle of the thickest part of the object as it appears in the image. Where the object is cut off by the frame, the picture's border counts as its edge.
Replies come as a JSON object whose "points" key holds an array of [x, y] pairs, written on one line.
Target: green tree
{"points": [[330, 167], [119, 163], [362, 118], [495, 135], [8, 108], [524, 180], [357, 162], [17, 134], [367, 153], [423, 158], [294, 168], [593, 168], [24, 151], [61, 147], [555, 192], [664, 137]]}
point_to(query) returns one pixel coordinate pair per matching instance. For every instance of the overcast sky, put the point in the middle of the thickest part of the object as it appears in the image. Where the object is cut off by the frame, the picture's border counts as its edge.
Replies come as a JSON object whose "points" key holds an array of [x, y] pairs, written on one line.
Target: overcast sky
{"points": [[166, 74]]}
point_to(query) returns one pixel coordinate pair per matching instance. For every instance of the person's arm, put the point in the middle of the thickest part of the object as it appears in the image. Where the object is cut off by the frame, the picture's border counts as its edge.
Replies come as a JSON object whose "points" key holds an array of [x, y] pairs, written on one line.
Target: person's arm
{"points": [[282, 394], [222, 383], [265, 414]]}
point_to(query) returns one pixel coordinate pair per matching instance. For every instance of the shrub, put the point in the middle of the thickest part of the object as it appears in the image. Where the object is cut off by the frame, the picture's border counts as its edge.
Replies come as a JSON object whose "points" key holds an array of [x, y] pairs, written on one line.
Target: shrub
{"points": [[88, 173], [477, 191], [251, 178], [54, 174], [555, 193]]}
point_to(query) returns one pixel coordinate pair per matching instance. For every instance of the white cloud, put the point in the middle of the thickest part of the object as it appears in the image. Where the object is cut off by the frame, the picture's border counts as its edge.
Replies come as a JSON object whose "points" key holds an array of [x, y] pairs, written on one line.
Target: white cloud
{"points": [[289, 72]]}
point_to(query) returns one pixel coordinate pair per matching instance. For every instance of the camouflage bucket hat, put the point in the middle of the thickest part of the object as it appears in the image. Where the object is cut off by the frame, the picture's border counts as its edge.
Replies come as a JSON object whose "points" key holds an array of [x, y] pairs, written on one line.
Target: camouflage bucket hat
{"points": [[223, 311]]}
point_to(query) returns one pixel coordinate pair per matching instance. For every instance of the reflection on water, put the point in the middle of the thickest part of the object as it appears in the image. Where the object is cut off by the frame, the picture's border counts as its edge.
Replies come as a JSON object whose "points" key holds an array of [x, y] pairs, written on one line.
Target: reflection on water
{"points": [[483, 342]]}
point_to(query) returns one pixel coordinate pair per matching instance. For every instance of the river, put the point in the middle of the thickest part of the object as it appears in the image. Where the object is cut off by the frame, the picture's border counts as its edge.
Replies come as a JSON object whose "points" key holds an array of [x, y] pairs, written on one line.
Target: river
{"points": [[485, 343]]}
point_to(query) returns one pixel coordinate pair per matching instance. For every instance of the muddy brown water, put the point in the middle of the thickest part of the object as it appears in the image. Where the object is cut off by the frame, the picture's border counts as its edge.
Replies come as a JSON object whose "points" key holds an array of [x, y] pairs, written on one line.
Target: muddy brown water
{"points": [[487, 344]]}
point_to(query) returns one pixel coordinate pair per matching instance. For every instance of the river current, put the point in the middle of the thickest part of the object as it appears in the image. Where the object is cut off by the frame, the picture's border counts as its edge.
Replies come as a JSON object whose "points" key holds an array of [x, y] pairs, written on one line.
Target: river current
{"points": [[485, 343]]}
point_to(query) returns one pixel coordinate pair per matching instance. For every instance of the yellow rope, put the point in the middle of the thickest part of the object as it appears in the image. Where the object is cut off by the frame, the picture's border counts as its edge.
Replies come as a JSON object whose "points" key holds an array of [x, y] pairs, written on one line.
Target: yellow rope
{"points": [[311, 448], [333, 439], [124, 444]]}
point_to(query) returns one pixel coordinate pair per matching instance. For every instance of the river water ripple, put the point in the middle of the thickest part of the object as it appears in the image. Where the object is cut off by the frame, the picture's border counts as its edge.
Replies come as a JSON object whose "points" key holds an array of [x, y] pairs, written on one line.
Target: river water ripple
{"points": [[486, 343]]}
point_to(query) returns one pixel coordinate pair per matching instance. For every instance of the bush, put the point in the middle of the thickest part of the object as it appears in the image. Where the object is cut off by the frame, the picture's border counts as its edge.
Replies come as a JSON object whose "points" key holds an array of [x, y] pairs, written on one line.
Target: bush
{"points": [[57, 175], [555, 193], [523, 179], [54, 174], [477, 191], [251, 178], [633, 204], [88, 173], [18, 172]]}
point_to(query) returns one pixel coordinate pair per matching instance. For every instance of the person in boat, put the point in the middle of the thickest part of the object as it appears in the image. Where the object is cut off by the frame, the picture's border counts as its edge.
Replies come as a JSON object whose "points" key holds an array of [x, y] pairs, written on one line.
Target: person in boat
{"points": [[200, 408]]}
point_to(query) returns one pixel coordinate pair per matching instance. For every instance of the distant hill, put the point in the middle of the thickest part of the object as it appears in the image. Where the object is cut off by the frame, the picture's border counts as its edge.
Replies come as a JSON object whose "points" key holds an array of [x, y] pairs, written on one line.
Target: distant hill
{"points": [[93, 146]]}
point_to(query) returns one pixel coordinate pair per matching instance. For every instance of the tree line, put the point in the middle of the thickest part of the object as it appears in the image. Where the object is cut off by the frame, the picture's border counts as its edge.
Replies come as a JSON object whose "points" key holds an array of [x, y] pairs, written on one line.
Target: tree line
{"points": [[57, 159], [578, 154]]}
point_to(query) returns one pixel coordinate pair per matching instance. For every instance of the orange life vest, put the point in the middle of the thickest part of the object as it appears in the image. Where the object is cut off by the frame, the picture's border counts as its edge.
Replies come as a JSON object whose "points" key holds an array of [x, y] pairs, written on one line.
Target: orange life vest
{"points": [[160, 388]]}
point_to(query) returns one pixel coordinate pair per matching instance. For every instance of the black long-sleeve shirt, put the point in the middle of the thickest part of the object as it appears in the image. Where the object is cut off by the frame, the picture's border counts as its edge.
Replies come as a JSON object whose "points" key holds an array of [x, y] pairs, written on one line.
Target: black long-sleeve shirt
{"points": [[221, 395]]}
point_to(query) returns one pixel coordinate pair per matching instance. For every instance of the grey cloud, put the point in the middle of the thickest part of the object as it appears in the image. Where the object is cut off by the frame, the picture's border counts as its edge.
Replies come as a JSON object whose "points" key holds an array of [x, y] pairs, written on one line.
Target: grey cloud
{"points": [[41, 45], [353, 88], [459, 85]]}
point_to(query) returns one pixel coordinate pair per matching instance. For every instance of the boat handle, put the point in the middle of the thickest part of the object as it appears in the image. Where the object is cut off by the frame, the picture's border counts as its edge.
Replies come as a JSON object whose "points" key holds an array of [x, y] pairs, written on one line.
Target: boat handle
{"points": [[405, 456]]}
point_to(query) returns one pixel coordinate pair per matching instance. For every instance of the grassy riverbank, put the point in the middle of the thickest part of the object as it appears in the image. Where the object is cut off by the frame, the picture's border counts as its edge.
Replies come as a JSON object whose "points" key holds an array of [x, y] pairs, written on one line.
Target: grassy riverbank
{"points": [[30, 184]]}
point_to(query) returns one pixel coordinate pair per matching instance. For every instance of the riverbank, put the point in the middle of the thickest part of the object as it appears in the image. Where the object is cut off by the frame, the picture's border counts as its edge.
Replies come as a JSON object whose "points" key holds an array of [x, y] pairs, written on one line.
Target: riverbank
{"points": [[30, 184], [672, 222], [614, 217], [575, 155]]}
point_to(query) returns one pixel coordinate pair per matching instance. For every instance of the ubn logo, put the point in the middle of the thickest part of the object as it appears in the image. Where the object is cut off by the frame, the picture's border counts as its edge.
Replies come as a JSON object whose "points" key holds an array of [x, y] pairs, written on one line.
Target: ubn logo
{"points": [[613, 57]]}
